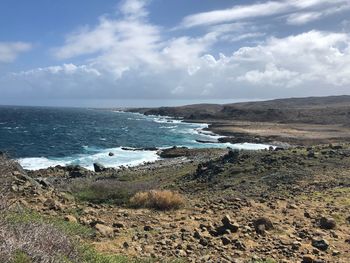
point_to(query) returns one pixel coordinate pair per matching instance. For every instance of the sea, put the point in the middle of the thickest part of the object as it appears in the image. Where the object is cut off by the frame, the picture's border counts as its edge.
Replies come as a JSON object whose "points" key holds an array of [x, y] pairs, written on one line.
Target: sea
{"points": [[41, 137]]}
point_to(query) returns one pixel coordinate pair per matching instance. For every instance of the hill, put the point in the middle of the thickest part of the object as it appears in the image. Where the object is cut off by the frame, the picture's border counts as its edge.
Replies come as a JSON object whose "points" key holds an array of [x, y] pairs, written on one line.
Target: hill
{"points": [[304, 121]]}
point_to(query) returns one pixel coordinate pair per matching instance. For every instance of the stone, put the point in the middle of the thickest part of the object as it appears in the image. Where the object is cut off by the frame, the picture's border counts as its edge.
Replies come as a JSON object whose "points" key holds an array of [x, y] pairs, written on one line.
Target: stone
{"points": [[99, 167], [147, 228], [71, 219], [118, 225], [320, 244], [225, 241], [228, 224], [110, 154], [43, 182], [348, 219], [308, 259], [76, 171], [104, 230], [53, 204], [262, 224], [327, 223], [197, 235], [311, 154], [292, 206]]}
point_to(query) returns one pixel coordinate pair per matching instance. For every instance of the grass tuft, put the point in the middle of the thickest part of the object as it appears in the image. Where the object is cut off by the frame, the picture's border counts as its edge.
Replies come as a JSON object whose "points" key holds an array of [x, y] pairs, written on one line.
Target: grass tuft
{"points": [[157, 199]]}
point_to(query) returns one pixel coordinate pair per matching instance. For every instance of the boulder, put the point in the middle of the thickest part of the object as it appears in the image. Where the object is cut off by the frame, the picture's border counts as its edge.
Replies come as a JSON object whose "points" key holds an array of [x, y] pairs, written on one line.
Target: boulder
{"points": [[147, 228], [53, 204], [110, 154], [308, 259], [104, 230], [76, 171], [228, 224], [320, 244], [71, 219], [118, 225], [262, 224], [327, 223], [98, 167]]}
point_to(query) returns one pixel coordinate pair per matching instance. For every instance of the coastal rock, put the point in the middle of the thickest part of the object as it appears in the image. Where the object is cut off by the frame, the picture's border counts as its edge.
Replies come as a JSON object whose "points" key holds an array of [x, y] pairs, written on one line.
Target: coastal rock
{"points": [[174, 152], [99, 167], [75, 171], [110, 154]]}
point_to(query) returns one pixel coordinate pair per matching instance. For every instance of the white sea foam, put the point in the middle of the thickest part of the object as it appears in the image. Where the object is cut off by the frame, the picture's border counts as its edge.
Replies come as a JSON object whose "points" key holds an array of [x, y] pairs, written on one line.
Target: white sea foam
{"points": [[135, 157], [120, 158]]}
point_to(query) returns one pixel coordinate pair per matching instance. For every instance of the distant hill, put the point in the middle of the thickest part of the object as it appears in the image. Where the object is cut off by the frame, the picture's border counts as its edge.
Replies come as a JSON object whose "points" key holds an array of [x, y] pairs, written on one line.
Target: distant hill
{"points": [[313, 110]]}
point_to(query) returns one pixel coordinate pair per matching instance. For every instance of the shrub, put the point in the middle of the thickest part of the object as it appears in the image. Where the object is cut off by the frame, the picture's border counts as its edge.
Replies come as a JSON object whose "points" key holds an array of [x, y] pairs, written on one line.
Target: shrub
{"points": [[108, 191], [157, 199]]}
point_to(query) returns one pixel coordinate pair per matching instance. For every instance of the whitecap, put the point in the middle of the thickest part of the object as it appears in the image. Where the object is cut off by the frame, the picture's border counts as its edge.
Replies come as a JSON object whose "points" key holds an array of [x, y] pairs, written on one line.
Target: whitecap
{"points": [[120, 158]]}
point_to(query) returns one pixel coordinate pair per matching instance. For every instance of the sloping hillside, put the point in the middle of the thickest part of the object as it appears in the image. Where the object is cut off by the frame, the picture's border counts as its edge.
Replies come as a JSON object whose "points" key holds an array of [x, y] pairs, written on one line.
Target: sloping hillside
{"points": [[312, 110]]}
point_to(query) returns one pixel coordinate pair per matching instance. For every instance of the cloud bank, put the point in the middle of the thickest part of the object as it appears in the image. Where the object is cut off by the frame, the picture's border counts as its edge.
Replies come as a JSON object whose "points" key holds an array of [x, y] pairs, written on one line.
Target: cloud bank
{"points": [[131, 58]]}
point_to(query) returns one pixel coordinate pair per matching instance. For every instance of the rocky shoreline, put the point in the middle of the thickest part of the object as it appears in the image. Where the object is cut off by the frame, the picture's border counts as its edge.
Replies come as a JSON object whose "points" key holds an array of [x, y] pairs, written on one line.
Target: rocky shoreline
{"points": [[283, 205], [295, 121]]}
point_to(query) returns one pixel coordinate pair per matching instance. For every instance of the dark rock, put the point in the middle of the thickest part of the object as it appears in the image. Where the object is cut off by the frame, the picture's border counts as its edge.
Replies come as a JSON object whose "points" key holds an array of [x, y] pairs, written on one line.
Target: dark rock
{"points": [[308, 259], [203, 242], [98, 167], [348, 219], [327, 223], [262, 224], [76, 171], [110, 154], [225, 241], [311, 154], [43, 182], [228, 224], [174, 152], [231, 156], [147, 228], [320, 244], [118, 225]]}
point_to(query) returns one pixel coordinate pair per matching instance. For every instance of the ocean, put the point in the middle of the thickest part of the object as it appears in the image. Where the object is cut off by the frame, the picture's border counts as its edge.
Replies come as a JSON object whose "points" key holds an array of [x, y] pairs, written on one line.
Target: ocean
{"points": [[40, 137]]}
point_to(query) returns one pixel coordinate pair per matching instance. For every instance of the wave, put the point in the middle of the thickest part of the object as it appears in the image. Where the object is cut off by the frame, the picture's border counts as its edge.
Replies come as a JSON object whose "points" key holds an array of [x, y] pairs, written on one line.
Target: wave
{"points": [[120, 158]]}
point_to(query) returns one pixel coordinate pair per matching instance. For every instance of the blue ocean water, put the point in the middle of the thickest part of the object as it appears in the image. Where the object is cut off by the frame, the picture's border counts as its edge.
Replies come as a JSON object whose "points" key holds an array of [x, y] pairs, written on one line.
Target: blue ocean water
{"points": [[41, 137]]}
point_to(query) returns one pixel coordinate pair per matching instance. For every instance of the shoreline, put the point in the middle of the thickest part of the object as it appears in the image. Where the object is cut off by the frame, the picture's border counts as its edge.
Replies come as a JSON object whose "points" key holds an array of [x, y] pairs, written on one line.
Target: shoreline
{"points": [[147, 154]]}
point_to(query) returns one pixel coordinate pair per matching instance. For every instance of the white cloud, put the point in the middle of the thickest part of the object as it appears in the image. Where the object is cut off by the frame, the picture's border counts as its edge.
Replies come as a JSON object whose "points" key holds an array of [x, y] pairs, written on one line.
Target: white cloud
{"points": [[9, 51], [129, 57], [303, 18], [311, 10], [134, 8], [311, 63], [113, 39]]}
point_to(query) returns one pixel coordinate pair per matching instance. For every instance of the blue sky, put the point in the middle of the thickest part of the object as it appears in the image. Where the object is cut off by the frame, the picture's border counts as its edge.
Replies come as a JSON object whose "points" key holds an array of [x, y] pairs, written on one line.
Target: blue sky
{"points": [[135, 52]]}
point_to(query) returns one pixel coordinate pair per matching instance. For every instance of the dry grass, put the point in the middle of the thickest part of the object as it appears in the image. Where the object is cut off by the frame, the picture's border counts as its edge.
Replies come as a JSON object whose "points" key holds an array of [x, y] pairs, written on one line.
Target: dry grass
{"points": [[158, 199], [41, 242]]}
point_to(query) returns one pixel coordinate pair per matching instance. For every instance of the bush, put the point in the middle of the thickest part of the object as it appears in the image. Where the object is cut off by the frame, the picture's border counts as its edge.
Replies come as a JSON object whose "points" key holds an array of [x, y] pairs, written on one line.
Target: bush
{"points": [[157, 199], [108, 191]]}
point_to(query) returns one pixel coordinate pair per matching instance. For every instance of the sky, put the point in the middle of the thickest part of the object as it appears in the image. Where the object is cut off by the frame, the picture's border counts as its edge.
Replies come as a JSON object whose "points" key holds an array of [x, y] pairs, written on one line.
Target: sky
{"points": [[164, 52]]}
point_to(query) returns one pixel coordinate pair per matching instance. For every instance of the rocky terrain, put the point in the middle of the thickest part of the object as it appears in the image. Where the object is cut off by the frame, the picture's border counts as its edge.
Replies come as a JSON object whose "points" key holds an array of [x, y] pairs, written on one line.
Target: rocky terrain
{"points": [[277, 205], [302, 121]]}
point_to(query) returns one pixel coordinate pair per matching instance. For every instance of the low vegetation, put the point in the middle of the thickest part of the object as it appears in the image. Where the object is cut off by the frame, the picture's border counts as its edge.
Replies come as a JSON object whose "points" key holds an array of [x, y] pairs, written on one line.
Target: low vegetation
{"points": [[107, 191], [157, 199]]}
